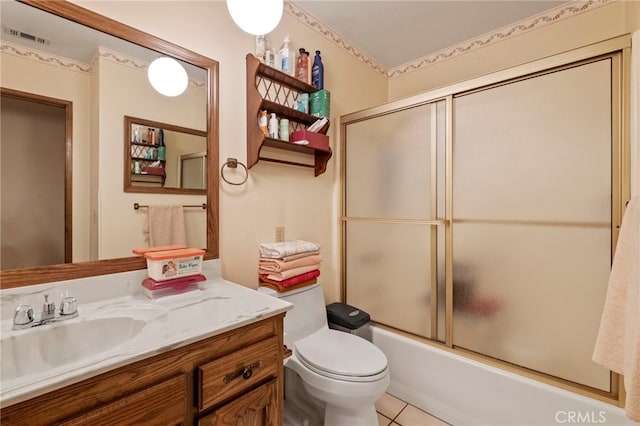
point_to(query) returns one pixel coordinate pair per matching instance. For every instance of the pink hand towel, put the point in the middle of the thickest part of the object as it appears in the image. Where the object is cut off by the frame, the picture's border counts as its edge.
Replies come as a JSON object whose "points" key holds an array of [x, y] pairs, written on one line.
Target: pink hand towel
{"points": [[165, 226], [266, 266], [618, 344], [281, 276]]}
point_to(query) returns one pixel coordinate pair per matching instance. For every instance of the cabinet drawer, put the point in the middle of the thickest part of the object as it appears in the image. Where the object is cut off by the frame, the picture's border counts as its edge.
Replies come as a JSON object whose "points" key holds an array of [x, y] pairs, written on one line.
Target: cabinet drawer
{"points": [[232, 374], [162, 404]]}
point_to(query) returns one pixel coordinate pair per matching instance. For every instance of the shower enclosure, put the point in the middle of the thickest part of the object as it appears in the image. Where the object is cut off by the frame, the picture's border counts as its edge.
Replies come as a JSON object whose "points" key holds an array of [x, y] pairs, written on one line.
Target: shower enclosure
{"points": [[482, 217]]}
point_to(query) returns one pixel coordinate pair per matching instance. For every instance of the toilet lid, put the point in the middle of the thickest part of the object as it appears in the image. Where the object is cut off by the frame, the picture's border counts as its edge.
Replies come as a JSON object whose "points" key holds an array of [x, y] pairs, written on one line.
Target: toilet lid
{"points": [[341, 355]]}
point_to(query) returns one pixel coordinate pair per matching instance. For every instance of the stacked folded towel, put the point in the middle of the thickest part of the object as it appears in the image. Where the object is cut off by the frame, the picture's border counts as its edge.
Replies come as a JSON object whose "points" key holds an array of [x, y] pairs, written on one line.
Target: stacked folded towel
{"points": [[287, 265]]}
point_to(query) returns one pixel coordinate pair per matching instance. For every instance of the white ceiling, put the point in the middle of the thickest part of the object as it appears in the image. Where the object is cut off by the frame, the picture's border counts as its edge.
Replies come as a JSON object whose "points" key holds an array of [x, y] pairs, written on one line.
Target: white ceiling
{"points": [[396, 32]]}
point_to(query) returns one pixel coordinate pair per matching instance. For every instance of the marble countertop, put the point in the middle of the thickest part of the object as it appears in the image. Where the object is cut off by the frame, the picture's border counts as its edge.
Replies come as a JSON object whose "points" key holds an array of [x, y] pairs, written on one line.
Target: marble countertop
{"points": [[170, 322]]}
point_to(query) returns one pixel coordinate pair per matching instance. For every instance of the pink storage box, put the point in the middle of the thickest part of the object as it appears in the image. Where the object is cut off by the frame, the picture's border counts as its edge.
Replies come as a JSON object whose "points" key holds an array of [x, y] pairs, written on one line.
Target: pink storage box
{"points": [[170, 264], [311, 139], [155, 289]]}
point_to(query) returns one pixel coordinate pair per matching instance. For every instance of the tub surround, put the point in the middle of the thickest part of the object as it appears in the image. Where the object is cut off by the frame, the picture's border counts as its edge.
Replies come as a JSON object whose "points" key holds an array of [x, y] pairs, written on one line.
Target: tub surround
{"points": [[171, 322], [462, 391]]}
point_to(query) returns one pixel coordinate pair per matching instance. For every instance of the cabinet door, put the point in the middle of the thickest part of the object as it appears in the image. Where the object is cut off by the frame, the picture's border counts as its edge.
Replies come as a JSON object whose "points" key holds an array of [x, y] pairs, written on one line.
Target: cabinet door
{"points": [[161, 404], [255, 408]]}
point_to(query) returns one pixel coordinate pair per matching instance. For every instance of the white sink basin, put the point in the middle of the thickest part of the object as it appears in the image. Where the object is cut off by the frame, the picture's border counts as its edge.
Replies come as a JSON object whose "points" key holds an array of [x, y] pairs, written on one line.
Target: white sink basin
{"points": [[94, 335]]}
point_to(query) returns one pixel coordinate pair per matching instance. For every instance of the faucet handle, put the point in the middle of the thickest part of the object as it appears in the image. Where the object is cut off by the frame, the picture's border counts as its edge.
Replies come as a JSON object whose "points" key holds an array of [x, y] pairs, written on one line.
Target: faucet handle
{"points": [[68, 306], [23, 315], [49, 308]]}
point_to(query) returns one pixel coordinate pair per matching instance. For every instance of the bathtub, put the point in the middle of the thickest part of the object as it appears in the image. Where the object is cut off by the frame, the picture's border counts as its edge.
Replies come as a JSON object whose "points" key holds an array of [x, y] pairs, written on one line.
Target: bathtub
{"points": [[462, 391]]}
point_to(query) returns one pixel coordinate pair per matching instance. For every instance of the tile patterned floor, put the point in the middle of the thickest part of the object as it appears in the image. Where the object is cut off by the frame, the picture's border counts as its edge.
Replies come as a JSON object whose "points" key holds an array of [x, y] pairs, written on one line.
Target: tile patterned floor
{"points": [[395, 412]]}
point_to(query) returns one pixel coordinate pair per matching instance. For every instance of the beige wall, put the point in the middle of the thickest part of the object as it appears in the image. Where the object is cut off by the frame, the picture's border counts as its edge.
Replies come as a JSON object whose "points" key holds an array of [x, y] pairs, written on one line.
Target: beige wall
{"points": [[275, 195]]}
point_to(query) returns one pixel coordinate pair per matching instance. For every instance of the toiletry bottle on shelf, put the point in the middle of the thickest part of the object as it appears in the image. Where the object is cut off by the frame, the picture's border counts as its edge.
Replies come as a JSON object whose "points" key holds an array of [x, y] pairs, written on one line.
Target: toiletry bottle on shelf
{"points": [[260, 47], [263, 122], [162, 155], [317, 72], [284, 129], [269, 57], [136, 133], [286, 64], [302, 65], [136, 167], [273, 126]]}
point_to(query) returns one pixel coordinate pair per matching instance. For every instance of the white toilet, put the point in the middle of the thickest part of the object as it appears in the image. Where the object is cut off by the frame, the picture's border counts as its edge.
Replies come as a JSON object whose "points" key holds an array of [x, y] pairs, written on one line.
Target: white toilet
{"points": [[346, 373]]}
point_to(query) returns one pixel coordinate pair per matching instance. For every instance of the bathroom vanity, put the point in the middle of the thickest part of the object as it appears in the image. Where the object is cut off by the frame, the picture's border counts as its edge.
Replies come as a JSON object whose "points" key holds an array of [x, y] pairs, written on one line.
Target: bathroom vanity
{"points": [[214, 357]]}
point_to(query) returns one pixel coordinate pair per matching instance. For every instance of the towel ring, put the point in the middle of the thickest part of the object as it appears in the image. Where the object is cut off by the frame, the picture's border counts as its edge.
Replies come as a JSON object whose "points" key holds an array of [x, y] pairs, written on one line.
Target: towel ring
{"points": [[232, 163]]}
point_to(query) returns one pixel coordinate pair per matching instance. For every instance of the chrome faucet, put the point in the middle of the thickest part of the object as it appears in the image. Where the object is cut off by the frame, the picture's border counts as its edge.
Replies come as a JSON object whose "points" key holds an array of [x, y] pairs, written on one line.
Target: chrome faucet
{"points": [[25, 318]]}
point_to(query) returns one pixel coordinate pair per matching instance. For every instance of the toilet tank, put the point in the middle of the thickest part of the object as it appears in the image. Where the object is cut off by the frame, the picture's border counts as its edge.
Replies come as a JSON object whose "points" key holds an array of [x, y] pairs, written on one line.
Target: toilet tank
{"points": [[309, 313]]}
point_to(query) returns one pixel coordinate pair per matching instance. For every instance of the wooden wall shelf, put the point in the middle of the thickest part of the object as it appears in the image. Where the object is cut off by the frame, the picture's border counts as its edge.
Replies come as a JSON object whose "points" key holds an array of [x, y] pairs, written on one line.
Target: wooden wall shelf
{"points": [[272, 90]]}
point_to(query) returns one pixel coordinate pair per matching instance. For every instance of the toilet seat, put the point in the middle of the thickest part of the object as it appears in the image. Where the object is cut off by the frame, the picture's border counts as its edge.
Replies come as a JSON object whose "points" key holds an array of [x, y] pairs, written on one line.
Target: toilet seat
{"points": [[341, 356]]}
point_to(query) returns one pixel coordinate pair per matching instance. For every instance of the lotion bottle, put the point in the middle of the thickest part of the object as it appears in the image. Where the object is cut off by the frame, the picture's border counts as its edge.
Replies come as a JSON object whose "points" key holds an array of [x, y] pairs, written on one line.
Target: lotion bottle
{"points": [[317, 72]]}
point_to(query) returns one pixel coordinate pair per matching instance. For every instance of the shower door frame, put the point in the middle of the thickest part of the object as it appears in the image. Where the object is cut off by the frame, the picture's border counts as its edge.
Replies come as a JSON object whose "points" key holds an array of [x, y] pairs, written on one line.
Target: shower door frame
{"points": [[618, 49]]}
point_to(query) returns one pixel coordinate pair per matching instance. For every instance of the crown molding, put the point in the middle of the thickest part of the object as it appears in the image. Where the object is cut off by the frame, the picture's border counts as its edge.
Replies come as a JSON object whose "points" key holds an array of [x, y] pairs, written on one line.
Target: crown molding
{"points": [[551, 16], [43, 57], [330, 34]]}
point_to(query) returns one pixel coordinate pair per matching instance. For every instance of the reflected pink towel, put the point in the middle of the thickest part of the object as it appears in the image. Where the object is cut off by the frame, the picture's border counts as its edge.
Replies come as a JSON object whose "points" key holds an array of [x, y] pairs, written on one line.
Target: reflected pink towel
{"points": [[618, 343], [267, 266], [165, 226]]}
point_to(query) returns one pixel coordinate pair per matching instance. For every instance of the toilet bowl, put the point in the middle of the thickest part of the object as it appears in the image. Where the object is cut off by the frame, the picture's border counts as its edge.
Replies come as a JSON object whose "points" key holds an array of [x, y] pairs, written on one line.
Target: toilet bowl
{"points": [[344, 372]]}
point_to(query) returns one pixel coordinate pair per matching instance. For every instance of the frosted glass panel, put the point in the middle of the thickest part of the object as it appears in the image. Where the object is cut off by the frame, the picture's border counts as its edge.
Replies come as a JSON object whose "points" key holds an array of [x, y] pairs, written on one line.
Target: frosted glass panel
{"points": [[389, 270], [519, 153], [531, 220], [388, 168]]}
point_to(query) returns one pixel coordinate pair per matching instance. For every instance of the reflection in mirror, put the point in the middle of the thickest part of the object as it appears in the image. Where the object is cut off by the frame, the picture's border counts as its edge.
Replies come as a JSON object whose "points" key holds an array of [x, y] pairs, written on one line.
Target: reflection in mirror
{"points": [[98, 210], [192, 170], [154, 154]]}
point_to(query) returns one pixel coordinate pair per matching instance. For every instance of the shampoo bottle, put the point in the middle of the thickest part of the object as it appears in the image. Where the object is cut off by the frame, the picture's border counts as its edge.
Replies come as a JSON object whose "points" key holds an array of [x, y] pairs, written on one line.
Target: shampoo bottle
{"points": [[273, 126], [302, 66], [286, 65], [317, 72], [161, 146]]}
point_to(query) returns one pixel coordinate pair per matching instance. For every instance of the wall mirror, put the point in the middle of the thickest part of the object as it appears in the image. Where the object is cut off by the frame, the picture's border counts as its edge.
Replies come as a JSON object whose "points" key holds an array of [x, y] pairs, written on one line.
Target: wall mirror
{"points": [[161, 157], [93, 151]]}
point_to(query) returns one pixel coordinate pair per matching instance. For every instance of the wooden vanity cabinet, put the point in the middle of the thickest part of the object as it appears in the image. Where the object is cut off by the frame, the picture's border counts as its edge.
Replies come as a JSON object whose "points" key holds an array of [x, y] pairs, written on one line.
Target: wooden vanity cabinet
{"points": [[230, 379]]}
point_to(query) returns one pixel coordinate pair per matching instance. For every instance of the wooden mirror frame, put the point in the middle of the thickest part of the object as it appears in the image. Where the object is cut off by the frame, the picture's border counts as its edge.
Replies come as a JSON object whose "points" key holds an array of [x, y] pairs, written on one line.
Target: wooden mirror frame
{"points": [[67, 271]]}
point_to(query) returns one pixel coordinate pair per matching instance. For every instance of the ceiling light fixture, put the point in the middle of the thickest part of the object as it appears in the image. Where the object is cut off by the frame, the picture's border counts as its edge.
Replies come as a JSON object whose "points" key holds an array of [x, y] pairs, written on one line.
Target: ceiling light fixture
{"points": [[257, 17], [167, 76]]}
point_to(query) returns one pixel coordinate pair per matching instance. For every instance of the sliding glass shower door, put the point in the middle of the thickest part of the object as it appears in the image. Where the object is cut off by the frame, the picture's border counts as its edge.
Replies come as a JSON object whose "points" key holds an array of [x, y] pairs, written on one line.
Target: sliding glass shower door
{"points": [[394, 211], [532, 220], [485, 219]]}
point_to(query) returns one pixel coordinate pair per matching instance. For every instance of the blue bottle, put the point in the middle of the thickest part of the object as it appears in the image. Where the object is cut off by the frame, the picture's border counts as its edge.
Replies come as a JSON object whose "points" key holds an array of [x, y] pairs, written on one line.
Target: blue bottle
{"points": [[161, 146], [317, 72]]}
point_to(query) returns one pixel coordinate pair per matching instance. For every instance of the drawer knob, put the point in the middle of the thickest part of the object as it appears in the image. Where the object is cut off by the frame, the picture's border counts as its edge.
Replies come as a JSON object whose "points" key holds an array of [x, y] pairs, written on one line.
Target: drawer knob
{"points": [[245, 372]]}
